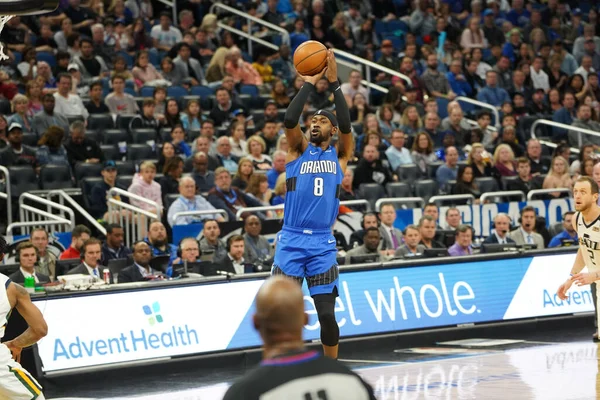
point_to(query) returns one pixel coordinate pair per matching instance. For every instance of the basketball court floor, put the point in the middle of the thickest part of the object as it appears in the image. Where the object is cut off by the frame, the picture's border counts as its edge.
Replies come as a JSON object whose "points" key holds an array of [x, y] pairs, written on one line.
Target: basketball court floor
{"points": [[540, 365]]}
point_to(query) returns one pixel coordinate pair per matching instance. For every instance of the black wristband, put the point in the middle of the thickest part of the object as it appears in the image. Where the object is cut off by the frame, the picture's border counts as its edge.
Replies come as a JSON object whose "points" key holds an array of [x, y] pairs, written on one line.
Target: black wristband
{"points": [[333, 86]]}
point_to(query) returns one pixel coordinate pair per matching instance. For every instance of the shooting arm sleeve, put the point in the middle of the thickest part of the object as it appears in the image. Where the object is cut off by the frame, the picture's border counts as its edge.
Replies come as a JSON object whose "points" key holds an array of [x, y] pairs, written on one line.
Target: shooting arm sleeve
{"points": [[294, 111], [341, 108]]}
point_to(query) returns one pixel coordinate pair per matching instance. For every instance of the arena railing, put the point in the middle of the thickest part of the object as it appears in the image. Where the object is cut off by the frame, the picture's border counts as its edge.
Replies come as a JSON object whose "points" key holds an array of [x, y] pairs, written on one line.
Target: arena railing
{"points": [[554, 145], [34, 214], [537, 192], [445, 198], [36, 224], [490, 107], [134, 220], [7, 196], [347, 203], [563, 126], [200, 213], [340, 54], [250, 19], [504, 193], [64, 197], [399, 200], [249, 37]]}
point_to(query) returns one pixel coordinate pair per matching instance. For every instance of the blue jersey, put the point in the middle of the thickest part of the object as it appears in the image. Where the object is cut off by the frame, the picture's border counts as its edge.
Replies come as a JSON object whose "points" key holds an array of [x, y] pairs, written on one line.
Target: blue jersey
{"points": [[313, 184]]}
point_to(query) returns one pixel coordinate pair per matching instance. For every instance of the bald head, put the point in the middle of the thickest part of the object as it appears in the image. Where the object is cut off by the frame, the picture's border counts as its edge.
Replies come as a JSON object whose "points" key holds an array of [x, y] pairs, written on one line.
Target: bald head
{"points": [[280, 315]]}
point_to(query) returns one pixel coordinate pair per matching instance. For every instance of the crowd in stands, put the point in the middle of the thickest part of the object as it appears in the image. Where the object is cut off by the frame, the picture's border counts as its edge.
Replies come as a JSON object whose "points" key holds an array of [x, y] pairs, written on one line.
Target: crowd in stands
{"points": [[180, 113]]}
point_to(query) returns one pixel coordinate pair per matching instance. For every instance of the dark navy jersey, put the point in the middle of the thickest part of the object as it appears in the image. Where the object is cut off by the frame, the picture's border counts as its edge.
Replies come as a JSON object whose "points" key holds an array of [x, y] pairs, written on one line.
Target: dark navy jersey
{"points": [[300, 376], [313, 186]]}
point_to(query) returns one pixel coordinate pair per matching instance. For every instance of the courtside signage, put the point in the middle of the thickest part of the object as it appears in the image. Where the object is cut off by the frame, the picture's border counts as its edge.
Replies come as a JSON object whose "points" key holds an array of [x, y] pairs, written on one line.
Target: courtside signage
{"points": [[134, 326]]}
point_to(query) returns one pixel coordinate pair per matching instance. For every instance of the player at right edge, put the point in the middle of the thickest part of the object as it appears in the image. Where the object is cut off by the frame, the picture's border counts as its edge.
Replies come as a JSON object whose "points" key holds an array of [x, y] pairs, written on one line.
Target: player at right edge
{"points": [[587, 224]]}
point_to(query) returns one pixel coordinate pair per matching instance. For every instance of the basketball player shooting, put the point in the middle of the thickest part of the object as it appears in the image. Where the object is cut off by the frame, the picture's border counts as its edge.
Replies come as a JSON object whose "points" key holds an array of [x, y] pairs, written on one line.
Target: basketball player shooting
{"points": [[306, 247], [15, 382], [587, 224]]}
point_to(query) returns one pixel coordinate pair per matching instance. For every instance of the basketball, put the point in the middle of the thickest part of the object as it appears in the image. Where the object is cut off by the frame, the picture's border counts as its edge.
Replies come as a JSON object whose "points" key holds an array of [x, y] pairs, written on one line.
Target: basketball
{"points": [[310, 58]]}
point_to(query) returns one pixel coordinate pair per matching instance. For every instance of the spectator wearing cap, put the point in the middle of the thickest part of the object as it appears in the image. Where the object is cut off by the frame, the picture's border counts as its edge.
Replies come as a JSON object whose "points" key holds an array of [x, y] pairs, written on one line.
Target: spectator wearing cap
{"points": [[99, 195], [389, 60], [48, 117], [16, 153], [96, 103], [67, 103], [81, 149], [164, 35], [119, 102], [493, 34], [579, 46]]}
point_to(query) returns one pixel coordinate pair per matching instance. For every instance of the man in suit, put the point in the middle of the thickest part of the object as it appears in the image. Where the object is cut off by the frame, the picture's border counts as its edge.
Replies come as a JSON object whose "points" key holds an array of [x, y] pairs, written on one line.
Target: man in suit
{"points": [[28, 257], [234, 262], [525, 234], [188, 66], [391, 237], [142, 254], [91, 253], [501, 228]]}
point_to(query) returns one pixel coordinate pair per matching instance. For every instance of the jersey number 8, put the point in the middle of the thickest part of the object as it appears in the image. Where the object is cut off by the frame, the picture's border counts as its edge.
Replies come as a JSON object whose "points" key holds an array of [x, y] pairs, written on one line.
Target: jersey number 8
{"points": [[318, 189]]}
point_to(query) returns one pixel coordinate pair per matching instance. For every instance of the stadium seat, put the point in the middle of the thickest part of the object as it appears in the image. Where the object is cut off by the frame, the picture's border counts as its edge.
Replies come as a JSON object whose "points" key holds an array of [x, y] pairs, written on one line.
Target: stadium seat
{"points": [[100, 122], [30, 139], [46, 56], [426, 188], [111, 152], [124, 181], [147, 91], [73, 118], [144, 135], [487, 184], [22, 179], [398, 189], [192, 134], [123, 121], [169, 199], [176, 91], [54, 176], [125, 168], [137, 152], [555, 229], [86, 185], [249, 90], [505, 180], [165, 134], [202, 91], [93, 135], [371, 192], [432, 168], [85, 170], [408, 173], [114, 136]]}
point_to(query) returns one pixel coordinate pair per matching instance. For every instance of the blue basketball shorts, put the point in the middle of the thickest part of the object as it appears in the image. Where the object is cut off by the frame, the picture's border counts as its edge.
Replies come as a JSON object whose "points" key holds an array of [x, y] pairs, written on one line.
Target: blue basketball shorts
{"points": [[310, 254]]}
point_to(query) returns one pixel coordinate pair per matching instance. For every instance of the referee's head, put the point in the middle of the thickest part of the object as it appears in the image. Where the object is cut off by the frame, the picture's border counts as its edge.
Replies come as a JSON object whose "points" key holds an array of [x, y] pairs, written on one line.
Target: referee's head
{"points": [[280, 315]]}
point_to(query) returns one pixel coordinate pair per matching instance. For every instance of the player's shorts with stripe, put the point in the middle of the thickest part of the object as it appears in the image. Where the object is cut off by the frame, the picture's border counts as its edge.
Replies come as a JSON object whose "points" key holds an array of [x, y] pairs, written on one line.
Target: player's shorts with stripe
{"points": [[310, 254], [15, 382]]}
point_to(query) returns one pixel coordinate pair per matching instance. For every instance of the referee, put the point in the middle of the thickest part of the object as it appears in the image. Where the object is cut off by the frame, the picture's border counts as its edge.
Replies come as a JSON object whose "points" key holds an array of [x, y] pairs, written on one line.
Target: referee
{"points": [[289, 371]]}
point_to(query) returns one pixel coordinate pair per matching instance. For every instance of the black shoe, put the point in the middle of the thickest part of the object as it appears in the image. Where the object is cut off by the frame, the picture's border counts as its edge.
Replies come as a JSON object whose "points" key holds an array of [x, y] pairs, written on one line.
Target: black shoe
{"points": [[27, 7]]}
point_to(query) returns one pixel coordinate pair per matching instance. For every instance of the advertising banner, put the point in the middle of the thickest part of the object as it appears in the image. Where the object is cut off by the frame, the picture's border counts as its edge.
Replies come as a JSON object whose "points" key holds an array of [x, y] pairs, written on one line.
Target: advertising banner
{"points": [[155, 323]]}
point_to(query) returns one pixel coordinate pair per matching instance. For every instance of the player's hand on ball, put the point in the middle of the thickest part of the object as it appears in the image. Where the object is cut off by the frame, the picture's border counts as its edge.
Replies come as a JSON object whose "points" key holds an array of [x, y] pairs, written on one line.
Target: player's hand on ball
{"points": [[563, 289], [585, 279], [314, 78], [331, 67]]}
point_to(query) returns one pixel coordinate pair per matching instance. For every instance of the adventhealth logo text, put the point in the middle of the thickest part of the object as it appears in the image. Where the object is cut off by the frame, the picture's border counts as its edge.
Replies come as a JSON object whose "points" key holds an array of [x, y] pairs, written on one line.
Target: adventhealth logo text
{"points": [[160, 335]]}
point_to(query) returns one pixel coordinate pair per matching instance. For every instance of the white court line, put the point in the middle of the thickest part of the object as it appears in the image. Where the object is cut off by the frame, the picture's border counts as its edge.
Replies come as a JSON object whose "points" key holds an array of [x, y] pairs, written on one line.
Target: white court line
{"points": [[371, 361]]}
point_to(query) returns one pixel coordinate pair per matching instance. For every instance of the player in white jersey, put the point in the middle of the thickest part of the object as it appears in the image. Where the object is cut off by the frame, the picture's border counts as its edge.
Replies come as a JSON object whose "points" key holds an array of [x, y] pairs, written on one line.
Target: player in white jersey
{"points": [[587, 224], [15, 382]]}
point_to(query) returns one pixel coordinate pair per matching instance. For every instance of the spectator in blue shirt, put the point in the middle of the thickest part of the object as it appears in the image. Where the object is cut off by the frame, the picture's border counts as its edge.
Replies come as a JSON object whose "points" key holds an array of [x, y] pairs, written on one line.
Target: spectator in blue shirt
{"points": [[491, 94], [568, 234], [457, 80], [157, 239], [565, 115], [449, 170], [182, 149], [190, 201]]}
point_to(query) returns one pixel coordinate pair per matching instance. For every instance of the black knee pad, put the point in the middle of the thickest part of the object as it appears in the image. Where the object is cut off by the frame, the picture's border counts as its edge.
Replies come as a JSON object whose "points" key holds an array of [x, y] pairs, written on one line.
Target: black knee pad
{"points": [[330, 331]]}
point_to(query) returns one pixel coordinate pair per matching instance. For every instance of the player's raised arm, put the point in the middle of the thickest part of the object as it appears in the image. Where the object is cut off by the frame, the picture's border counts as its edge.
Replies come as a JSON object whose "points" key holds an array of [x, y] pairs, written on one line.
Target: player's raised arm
{"points": [[346, 146], [296, 141]]}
